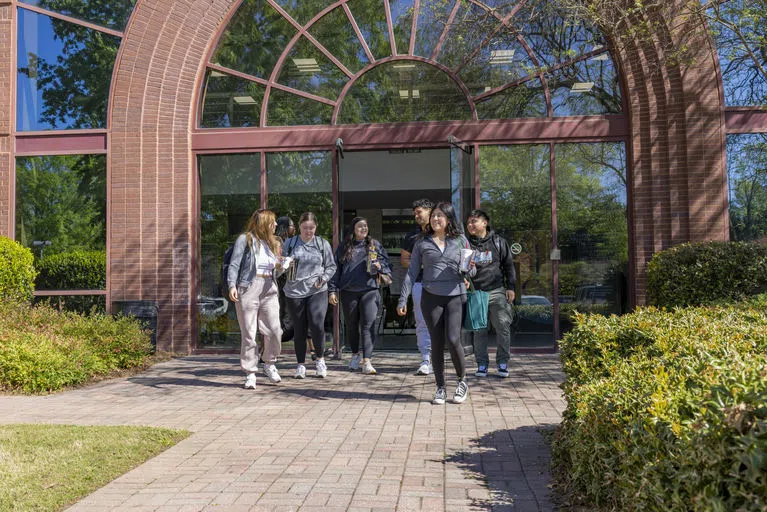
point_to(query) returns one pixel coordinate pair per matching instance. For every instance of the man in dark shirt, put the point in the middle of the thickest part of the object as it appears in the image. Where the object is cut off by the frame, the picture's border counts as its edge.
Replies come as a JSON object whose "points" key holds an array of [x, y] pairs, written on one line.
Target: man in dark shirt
{"points": [[421, 212], [495, 275]]}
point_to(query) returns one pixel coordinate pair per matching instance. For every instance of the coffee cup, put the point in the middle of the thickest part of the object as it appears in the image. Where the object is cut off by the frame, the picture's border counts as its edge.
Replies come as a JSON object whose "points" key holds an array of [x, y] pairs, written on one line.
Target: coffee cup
{"points": [[466, 255]]}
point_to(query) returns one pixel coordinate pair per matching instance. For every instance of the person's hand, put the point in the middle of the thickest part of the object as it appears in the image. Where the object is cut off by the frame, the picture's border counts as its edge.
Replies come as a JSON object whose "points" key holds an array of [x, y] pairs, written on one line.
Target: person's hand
{"points": [[319, 283], [376, 265], [233, 294], [466, 283], [510, 296], [333, 299], [402, 311]]}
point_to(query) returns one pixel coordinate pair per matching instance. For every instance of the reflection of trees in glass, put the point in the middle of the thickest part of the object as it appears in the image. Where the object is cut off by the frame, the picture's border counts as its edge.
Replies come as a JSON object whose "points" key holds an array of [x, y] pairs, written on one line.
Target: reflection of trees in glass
{"points": [[525, 100], [112, 14], [308, 69], [230, 101], [402, 91], [61, 199], [299, 182], [747, 172], [600, 96], [432, 20], [334, 32], [469, 28], [286, 109], [402, 23], [371, 19], [75, 82]]}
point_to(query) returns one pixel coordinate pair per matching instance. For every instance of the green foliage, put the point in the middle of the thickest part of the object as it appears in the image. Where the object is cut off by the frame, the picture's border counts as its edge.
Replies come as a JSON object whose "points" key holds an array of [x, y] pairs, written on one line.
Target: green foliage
{"points": [[17, 272], [706, 273], [42, 350], [76, 270], [666, 410], [747, 175]]}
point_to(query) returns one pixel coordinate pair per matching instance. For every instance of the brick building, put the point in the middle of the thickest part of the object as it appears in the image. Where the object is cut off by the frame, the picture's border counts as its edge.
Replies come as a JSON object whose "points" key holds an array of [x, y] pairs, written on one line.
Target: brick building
{"points": [[151, 129]]}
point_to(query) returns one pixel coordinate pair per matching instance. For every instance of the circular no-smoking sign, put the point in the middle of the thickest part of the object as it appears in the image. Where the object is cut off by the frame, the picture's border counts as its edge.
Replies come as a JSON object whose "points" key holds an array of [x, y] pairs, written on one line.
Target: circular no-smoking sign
{"points": [[516, 248]]}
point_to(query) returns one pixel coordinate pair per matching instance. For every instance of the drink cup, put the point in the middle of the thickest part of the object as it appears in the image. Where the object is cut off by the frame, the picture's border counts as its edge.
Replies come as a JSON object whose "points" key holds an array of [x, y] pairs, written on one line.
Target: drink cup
{"points": [[466, 255], [286, 261]]}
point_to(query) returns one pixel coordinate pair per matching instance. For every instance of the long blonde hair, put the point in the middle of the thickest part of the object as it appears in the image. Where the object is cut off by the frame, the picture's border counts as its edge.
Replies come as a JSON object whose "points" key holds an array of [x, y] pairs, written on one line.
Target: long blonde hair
{"points": [[260, 227]]}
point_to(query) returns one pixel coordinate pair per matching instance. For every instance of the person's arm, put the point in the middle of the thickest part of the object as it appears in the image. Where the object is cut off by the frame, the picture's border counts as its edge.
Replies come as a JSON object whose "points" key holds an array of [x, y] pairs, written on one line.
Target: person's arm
{"points": [[509, 272], [330, 263], [334, 282], [410, 277], [383, 258], [240, 245]]}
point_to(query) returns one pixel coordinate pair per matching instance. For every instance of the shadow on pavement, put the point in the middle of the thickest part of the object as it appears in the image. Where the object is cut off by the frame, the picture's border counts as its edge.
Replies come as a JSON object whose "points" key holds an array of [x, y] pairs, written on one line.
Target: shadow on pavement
{"points": [[332, 394]]}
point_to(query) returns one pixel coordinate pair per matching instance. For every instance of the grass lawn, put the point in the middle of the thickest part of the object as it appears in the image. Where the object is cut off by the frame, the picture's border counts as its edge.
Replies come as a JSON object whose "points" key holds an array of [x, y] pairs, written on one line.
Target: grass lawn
{"points": [[47, 467]]}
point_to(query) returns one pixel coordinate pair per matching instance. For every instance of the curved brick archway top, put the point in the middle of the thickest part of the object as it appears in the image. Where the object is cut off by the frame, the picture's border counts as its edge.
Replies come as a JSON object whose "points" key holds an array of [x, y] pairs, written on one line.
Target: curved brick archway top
{"points": [[151, 170]]}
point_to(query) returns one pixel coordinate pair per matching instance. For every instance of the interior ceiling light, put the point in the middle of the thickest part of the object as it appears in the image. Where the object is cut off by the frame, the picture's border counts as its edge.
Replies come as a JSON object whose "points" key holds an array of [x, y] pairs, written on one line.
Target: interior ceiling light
{"points": [[500, 57], [601, 56], [216, 74], [403, 66], [488, 88], [579, 87], [404, 94], [416, 93], [307, 65], [244, 100]]}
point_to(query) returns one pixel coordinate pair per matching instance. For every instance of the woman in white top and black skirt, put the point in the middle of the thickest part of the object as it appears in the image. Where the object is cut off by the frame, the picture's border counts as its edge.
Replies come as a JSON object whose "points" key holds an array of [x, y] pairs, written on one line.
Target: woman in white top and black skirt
{"points": [[438, 253]]}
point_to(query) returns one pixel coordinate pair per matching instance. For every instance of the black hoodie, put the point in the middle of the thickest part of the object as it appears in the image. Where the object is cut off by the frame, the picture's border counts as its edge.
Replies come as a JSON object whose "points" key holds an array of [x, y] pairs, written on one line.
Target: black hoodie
{"points": [[497, 273]]}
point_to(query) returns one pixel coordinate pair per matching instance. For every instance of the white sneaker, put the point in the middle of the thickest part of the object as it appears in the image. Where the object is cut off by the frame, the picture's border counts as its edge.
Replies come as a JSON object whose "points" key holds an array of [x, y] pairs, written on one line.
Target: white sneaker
{"points": [[461, 392], [300, 372], [425, 368], [322, 369], [250, 381], [439, 397], [271, 371], [367, 368], [354, 364]]}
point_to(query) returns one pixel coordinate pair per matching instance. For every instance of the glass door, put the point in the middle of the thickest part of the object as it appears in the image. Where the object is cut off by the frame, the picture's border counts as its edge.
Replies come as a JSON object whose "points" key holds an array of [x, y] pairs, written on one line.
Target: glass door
{"points": [[462, 173]]}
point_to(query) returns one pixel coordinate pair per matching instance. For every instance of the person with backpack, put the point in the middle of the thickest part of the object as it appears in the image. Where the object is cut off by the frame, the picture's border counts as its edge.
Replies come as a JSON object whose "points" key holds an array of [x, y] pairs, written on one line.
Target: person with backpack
{"points": [[311, 266], [285, 229], [361, 260], [253, 263], [495, 275], [440, 253]]}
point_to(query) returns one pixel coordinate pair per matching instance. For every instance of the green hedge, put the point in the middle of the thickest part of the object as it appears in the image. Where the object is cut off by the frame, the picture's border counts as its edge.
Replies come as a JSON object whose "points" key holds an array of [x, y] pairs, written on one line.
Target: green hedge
{"points": [[75, 270], [706, 273], [667, 410], [43, 350], [17, 271]]}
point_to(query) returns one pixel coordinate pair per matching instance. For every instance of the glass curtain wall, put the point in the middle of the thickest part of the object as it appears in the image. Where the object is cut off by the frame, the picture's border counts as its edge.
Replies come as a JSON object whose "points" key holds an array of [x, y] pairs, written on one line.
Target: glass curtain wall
{"points": [[747, 179]]}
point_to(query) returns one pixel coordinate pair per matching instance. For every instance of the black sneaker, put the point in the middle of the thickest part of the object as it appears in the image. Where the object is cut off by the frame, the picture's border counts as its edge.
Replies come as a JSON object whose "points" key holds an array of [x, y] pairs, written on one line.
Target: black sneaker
{"points": [[461, 392], [440, 396], [503, 370]]}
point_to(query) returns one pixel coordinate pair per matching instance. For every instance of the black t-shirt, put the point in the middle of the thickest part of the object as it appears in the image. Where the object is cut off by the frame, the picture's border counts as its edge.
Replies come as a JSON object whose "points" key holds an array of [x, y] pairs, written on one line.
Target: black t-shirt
{"points": [[410, 240]]}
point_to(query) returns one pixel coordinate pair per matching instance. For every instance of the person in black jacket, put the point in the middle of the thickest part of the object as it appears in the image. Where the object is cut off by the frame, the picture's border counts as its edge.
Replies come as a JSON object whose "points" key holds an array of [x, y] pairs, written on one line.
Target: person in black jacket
{"points": [[359, 260], [495, 275]]}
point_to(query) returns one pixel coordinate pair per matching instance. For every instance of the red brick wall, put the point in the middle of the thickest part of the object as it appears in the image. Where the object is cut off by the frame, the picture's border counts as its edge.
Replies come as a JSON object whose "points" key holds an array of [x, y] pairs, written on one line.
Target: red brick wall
{"points": [[7, 47], [152, 172]]}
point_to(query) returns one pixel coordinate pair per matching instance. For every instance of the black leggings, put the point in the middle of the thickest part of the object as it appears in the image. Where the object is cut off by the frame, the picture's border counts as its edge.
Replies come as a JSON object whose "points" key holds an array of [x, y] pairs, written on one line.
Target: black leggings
{"points": [[444, 318], [312, 309], [360, 312]]}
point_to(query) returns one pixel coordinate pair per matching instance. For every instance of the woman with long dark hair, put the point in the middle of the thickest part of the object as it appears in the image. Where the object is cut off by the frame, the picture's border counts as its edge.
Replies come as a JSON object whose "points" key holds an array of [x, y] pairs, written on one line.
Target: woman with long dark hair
{"points": [[360, 260], [253, 289], [285, 229], [438, 252]]}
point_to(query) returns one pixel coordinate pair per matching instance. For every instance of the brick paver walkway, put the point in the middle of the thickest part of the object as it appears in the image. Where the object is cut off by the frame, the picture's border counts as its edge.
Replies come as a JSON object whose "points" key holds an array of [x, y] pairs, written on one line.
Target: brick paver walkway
{"points": [[348, 442]]}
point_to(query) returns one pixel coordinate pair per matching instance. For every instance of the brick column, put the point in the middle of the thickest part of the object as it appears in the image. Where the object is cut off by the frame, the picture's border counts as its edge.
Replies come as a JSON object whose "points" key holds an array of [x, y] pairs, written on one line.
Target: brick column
{"points": [[677, 149], [7, 73], [152, 208]]}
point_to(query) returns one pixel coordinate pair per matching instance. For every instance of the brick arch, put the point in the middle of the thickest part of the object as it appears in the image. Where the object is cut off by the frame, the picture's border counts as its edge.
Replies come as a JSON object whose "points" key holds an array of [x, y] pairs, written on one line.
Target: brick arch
{"points": [[676, 150], [151, 170]]}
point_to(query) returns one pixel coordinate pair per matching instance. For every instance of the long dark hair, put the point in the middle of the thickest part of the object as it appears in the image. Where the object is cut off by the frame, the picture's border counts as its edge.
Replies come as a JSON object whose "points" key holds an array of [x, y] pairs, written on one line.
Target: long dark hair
{"points": [[453, 228], [348, 246], [283, 227]]}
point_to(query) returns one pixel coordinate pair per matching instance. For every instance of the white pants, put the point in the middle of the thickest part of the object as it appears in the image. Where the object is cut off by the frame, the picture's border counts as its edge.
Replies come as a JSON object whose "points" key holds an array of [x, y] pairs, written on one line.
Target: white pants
{"points": [[421, 331], [259, 309]]}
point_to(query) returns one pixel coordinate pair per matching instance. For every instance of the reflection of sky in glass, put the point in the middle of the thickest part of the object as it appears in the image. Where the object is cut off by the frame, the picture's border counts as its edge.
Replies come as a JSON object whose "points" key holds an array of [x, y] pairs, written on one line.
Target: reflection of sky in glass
{"points": [[432, 18], [371, 20], [113, 14], [501, 61], [598, 83], [746, 159], [744, 84], [402, 21]]}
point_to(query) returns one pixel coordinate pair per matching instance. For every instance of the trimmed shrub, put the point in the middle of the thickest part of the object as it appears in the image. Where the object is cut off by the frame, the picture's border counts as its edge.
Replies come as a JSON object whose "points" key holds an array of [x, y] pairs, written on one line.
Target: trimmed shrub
{"points": [[75, 270], [706, 273], [43, 350], [667, 411], [17, 271]]}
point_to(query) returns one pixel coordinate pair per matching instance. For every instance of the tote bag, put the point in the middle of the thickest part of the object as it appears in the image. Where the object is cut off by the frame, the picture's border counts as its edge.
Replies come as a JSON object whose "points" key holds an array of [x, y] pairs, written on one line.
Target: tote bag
{"points": [[475, 316]]}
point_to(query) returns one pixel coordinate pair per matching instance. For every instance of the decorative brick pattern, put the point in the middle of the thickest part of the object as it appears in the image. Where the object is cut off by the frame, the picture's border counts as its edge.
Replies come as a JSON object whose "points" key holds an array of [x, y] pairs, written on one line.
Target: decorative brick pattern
{"points": [[7, 47]]}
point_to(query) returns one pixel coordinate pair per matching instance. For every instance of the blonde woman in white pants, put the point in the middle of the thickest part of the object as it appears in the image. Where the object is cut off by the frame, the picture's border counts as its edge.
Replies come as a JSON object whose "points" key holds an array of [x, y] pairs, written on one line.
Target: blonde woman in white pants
{"points": [[252, 283]]}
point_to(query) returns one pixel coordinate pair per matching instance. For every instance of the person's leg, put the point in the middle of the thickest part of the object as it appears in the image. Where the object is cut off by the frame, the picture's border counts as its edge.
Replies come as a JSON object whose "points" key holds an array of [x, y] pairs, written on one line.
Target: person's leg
{"points": [[247, 316], [368, 313], [269, 321], [350, 302], [421, 329], [285, 321], [317, 307], [501, 316], [453, 320], [434, 314], [297, 311]]}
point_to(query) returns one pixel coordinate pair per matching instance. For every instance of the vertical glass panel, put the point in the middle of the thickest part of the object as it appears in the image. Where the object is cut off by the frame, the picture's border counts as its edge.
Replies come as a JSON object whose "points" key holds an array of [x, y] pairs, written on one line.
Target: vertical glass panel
{"points": [[467, 33], [500, 61], [402, 21], [747, 177], [462, 184], [524, 100], [113, 14], [516, 193], [744, 83], [370, 16], [254, 39], [299, 182], [230, 191], [64, 73], [61, 213], [334, 32], [308, 69], [432, 20], [230, 101], [286, 109], [303, 10], [403, 91], [592, 229], [588, 87]]}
